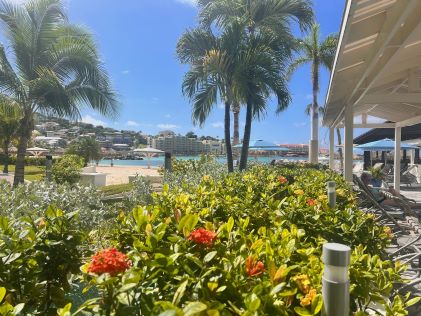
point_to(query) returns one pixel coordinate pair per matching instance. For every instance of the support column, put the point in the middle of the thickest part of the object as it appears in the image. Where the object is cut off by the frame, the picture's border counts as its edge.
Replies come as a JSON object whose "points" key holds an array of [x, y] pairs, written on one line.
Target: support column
{"points": [[332, 148], [349, 139], [412, 157], [397, 162]]}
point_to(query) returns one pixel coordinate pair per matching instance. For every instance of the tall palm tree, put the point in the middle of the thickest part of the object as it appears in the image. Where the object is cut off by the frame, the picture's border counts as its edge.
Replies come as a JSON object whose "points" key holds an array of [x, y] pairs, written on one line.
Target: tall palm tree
{"points": [[212, 62], [318, 54], [10, 116], [53, 67], [270, 19]]}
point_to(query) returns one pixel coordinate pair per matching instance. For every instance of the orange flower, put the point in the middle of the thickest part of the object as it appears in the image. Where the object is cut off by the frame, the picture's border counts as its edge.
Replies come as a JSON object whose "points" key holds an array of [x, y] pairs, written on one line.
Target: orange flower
{"points": [[306, 300], [253, 267], [109, 261], [282, 180], [311, 202], [202, 236], [303, 283]]}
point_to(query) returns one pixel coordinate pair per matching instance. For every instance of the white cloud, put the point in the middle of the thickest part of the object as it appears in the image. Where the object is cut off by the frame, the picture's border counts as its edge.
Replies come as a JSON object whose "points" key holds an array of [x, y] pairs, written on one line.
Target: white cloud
{"points": [[125, 72], [132, 123], [91, 120], [218, 125], [189, 2], [167, 126]]}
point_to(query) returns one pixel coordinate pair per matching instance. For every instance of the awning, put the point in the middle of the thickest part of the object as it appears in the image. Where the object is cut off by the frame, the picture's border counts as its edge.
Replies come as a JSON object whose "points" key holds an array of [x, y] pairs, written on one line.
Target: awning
{"points": [[385, 145]]}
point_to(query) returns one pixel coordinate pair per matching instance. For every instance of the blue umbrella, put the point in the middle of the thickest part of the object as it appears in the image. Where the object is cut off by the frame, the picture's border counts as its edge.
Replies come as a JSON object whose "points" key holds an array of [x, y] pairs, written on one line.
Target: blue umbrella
{"points": [[384, 145], [260, 144]]}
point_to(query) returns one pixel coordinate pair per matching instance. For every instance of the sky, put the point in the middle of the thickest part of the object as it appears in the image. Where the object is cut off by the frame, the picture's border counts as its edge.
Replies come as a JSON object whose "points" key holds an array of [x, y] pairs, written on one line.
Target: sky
{"points": [[137, 40]]}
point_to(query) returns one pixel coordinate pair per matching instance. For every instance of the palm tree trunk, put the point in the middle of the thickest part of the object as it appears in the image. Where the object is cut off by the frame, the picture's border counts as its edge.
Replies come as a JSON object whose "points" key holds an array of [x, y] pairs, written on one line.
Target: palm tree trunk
{"points": [[341, 156], [236, 112], [314, 143], [246, 138], [6, 144], [24, 133], [228, 137]]}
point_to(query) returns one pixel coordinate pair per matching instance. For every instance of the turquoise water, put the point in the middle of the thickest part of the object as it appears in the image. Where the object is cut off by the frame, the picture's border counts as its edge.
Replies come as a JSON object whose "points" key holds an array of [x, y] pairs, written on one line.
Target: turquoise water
{"points": [[159, 161]]}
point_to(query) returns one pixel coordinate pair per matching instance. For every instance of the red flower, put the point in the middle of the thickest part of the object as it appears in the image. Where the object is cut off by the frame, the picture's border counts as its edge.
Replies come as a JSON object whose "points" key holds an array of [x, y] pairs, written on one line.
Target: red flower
{"points": [[311, 202], [202, 236], [282, 180], [253, 267], [109, 261]]}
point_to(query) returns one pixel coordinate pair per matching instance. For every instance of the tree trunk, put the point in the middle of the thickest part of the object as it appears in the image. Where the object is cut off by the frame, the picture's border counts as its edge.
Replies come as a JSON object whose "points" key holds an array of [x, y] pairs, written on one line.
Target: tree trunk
{"points": [[236, 112], [341, 156], [24, 133], [228, 137], [314, 143], [246, 138], [6, 144]]}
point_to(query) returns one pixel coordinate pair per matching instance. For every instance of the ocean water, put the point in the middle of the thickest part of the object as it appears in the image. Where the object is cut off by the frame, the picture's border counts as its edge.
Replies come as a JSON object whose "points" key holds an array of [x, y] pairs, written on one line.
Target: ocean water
{"points": [[159, 161]]}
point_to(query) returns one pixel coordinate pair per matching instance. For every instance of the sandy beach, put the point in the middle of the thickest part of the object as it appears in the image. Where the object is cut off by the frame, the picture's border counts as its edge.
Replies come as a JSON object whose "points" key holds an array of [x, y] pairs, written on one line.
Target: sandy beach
{"points": [[120, 174]]}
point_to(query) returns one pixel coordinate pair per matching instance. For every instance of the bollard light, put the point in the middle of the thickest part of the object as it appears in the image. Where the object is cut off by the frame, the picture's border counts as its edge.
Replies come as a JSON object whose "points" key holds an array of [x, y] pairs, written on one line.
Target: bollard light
{"points": [[331, 194], [335, 281]]}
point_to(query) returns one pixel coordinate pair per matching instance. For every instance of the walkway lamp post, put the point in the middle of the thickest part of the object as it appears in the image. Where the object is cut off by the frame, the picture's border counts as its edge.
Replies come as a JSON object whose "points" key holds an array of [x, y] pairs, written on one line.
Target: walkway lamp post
{"points": [[335, 281]]}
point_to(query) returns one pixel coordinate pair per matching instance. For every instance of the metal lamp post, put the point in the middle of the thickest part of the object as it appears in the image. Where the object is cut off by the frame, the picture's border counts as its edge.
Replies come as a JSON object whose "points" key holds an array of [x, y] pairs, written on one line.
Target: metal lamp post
{"points": [[335, 281]]}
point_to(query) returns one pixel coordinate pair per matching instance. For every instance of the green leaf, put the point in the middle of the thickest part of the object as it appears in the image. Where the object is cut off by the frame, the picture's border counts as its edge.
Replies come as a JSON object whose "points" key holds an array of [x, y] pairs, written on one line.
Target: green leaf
{"points": [[187, 223], [194, 308], [210, 256], [252, 302], [2, 293], [179, 293], [302, 311], [316, 304], [230, 224], [413, 301], [18, 308], [277, 288]]}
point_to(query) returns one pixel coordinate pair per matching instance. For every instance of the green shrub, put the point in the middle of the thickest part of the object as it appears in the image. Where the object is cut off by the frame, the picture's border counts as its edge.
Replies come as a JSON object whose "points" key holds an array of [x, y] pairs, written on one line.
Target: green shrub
{"points": [[68, 169]]}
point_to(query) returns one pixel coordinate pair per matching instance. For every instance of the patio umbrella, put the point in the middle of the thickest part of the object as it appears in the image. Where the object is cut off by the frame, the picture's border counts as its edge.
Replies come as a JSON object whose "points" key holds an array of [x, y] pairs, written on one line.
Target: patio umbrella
{"points": [[148, 151], [37, 151], [384, 145]]}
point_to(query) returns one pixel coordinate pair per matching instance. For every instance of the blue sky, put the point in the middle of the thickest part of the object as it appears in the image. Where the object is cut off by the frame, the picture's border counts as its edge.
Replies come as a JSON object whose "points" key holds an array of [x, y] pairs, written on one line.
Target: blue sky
{"points": [[137, 39]]}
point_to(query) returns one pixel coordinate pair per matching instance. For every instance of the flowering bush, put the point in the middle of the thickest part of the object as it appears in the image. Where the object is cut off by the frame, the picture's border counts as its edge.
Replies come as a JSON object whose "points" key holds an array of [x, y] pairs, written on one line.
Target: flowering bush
{"points": [[232, 244]]}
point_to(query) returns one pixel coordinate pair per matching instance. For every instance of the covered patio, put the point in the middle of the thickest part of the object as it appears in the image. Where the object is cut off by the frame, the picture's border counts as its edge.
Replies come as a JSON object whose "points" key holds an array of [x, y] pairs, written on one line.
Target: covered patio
{"points": [[376, 78]]}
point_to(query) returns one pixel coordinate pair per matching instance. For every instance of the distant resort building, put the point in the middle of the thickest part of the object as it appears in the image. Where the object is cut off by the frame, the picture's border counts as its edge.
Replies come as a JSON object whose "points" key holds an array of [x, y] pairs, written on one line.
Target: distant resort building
{"points": [[181, 145], [298, 149]]}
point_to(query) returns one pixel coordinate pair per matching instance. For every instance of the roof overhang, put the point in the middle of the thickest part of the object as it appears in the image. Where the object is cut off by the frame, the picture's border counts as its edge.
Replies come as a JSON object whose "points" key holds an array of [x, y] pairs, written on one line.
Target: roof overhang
{"points": [[377, 68]]}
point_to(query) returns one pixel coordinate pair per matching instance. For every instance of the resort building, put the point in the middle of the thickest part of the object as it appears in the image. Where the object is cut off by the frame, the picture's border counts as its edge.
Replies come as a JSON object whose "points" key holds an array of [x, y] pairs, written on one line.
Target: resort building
{"points": [[182, 145], [376, 73], [298, 149]]}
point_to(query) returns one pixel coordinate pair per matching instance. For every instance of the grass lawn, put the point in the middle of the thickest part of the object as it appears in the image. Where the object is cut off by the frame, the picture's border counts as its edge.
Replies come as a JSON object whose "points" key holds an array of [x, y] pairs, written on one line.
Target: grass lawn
{"points": [[32, 173], [116, 189]]}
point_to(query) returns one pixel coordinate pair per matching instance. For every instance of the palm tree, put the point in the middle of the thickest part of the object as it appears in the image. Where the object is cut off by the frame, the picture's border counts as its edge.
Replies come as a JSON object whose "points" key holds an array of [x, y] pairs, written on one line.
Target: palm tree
{"points": [[56, 67], [317, 53], [212, 64], [261, 20], [86, 147], [10, 115]]}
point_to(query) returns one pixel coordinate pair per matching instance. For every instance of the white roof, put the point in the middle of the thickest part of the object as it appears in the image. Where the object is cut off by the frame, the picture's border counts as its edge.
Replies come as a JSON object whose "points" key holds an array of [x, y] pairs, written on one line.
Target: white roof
{"points": [[149, 150], [377, 69]]}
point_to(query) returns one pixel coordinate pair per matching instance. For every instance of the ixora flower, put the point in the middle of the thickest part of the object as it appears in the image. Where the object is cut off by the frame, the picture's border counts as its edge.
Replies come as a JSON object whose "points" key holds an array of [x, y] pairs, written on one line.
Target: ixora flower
{"points": [[202, 236], [254, 267], [282, 179], [306, 300], [303, 283], [311, 202], [109, 261]]}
